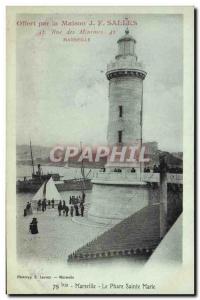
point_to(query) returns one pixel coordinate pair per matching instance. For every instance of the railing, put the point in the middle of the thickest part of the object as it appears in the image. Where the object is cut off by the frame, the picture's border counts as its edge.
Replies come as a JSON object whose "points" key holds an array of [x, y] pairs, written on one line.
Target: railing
{"points": [[126, 176], [124, 64]]}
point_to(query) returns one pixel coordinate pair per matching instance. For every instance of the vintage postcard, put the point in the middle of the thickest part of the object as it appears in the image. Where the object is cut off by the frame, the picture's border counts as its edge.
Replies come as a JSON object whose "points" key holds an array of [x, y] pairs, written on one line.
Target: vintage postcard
{"points": [[100, 150]]}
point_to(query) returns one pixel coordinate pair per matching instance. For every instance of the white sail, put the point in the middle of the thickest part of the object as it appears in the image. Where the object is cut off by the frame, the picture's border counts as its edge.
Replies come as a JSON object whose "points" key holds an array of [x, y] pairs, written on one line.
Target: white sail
{"points": [[39, 194], [49, 192]]}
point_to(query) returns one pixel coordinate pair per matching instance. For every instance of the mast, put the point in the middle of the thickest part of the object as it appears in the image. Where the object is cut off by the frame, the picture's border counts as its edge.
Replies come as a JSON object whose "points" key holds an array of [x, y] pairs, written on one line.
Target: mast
{"points": [[141, 125], [32, 158], [82, 169], [45, 189]]}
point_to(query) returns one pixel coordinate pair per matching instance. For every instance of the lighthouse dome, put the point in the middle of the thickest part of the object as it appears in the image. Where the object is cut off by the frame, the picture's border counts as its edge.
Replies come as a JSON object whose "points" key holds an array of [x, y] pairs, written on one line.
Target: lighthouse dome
{"points": [[126, 45], [127, 37]]}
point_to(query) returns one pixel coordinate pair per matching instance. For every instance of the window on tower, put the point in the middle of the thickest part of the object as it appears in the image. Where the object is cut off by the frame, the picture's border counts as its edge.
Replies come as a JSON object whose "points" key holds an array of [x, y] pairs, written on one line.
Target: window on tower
{"points": [[120, 111], [120, 136], [127, 48]]}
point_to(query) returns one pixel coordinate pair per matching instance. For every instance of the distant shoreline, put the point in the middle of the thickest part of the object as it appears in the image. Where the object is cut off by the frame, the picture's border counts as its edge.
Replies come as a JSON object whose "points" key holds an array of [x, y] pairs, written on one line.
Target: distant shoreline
{"points": [[70, 165]]}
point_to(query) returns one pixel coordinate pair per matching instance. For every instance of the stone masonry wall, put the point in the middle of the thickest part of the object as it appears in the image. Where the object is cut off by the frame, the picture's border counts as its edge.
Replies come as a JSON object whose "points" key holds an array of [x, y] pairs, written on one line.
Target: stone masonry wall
{"points": [[128, 93]]}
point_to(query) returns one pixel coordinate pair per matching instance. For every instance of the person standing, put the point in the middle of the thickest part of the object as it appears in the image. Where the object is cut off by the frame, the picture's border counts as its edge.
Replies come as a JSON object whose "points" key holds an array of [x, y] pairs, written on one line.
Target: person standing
{"points": [[63, 207], [39, 205], [33, 228], [43, 205], [71, 210], [83, 197], [82, 209], [27, 205], [49, 204], [30, 210], [25, 213], [76, 210], [66, 210], [59, 208]]}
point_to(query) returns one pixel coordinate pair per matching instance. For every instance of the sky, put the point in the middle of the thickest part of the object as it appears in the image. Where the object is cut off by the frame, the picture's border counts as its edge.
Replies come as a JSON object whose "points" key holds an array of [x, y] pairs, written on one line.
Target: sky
{"points": [[62, 90]]}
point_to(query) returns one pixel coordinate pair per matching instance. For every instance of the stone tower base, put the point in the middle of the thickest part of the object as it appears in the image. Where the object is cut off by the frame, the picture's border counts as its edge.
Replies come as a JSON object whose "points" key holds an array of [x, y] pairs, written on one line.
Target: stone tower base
{"points": [[112, 203]]}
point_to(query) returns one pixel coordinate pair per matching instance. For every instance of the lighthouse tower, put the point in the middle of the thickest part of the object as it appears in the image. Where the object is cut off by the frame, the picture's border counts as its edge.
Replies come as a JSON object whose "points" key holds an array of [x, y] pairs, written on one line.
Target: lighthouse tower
{"points": [[116, 195], [125, 77]]}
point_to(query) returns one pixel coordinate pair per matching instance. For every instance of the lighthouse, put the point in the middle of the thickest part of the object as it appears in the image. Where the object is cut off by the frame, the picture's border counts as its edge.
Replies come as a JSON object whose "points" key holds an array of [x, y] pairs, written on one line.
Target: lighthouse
{"points": [[116, 195], [125, 77]]}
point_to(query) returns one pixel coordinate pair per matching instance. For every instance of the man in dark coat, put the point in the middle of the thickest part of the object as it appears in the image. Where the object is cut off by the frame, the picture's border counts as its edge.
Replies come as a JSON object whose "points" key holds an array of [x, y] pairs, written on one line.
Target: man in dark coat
{"points": [[59, 208], [52, 203], [39, 205], [63, 207], [27, 205], [71, 210], [66, 210], [83, 197], [43, 205], [76, 210], [82, 209]]}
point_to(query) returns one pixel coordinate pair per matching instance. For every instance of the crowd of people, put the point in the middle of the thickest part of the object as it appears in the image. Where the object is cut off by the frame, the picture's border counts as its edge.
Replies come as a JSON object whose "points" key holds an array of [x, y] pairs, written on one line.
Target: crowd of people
{"points": [[156, 169], [75, 207], [43, 204]]}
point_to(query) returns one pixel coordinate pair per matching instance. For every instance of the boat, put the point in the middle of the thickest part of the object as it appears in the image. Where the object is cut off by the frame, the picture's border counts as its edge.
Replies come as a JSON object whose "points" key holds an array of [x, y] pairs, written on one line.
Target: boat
{"points": [[32, 184], [37, 179], [47, 191], [76, 184]]}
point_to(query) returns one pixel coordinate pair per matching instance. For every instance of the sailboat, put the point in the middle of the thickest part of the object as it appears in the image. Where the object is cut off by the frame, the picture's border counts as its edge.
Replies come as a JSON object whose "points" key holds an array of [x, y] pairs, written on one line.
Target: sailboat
{"points": [[47, 191]]}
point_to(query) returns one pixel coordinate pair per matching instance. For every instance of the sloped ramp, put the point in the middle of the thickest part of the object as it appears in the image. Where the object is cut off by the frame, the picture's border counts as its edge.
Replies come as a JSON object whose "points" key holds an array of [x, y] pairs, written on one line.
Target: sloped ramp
{"points": [[170, 248], [138, 234]]}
